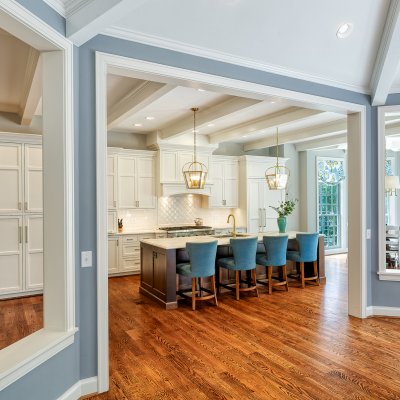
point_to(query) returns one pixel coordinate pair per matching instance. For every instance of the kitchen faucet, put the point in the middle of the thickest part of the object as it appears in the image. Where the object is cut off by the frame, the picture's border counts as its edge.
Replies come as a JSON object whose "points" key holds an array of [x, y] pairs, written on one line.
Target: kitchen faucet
{"points": [[234, 224]]}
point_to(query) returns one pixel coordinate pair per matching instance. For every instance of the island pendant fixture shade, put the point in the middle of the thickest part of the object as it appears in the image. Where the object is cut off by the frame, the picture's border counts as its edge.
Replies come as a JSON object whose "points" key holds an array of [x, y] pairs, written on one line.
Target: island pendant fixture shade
{"points": [[277, 176], [195, 173]]}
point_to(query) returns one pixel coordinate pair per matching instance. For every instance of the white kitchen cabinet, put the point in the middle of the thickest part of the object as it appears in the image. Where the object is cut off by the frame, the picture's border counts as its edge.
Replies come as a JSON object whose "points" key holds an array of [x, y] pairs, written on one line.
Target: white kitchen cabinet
{"points": [[112, 179], [11, 254], [225, 178], [256, 197], [11, 179], [33, 251], [113, 254], [33, 178], [136, 182], [112, 223]]}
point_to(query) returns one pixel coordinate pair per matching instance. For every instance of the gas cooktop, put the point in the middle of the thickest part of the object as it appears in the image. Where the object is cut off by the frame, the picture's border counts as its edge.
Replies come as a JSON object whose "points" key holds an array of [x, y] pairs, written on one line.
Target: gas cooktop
{"points": [[185, 228]]}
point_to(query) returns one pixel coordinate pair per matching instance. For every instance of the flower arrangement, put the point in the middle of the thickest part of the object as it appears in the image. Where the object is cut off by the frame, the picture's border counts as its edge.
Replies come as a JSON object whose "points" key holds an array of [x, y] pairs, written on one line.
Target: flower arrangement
{"points": [[285, 207]]}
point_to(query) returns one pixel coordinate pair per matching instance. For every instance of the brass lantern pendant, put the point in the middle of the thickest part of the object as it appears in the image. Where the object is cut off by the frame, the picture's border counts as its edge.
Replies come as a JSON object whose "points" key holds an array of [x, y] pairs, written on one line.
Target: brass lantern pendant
{"points": [[277, 176], [195, 173]]}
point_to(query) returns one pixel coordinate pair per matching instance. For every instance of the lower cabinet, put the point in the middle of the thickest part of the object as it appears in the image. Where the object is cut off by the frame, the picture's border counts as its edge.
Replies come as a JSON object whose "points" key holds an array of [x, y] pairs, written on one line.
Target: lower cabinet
{"points": [[124, 253], [21, 254]]}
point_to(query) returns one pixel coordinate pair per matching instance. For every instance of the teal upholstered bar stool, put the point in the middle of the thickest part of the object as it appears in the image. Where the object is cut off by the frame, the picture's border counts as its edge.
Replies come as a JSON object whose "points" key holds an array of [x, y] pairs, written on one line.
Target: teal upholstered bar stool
{"points": [[274, 256], [308, 247], [244, 259], [201, 265]]}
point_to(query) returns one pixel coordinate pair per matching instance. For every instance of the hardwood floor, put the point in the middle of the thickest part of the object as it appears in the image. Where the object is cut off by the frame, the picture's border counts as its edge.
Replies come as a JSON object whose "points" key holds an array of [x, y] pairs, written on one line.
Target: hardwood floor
{"points": [[298, 344], [19, 318]]}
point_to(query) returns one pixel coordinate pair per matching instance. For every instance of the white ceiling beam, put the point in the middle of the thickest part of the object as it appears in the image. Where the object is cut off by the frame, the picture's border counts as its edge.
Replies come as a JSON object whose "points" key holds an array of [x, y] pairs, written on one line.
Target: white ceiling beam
{"points": [[93, 17], [208, 115], [322, 143], [138, 98], [298, 135], [32, 88], [388, 58], [283, 117]]}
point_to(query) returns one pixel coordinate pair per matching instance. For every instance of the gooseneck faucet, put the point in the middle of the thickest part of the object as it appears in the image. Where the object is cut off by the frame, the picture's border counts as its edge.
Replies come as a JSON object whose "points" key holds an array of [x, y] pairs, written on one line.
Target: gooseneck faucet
{"points": [[234, 223]]}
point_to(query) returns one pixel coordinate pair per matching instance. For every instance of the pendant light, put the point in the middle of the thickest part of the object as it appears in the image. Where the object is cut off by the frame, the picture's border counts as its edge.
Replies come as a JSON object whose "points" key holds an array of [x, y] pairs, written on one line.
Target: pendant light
{"points": [[277, 176], [195, 173]]}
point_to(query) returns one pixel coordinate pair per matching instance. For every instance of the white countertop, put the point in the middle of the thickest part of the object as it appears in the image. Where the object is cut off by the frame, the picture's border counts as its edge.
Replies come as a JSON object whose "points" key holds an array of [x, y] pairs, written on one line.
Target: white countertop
{"points": [[137, 232], [180, 242]]}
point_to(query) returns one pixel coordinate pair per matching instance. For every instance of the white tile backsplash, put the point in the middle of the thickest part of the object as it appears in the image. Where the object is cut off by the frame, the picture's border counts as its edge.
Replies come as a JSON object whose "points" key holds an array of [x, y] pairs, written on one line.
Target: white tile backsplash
{"points": [[174, 210]]}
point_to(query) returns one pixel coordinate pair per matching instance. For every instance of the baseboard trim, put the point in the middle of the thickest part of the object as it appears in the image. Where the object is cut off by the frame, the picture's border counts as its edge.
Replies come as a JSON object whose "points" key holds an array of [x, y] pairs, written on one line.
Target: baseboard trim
{"points": [[383, 311], [81, 388]]}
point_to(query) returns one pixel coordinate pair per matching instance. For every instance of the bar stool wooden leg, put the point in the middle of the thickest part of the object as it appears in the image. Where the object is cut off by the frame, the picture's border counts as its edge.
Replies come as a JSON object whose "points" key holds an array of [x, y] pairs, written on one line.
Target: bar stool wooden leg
{"points": [[193, 294], [177, 282], [254, 274], [284, 277], [269, 280], [237, 278], [303, 284], [316, 272], [214, 289], [219, 280]]}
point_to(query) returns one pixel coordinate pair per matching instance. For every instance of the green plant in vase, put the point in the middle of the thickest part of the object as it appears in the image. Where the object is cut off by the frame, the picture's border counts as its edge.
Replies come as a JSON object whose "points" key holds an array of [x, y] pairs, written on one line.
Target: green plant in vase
{"points": [[284, 209]]}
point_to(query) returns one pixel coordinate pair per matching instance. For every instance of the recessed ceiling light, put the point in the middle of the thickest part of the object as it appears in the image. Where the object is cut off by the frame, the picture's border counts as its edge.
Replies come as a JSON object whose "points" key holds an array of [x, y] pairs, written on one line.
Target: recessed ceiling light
{"points": [[150, 118], [210, 125], [201, 90], [245, 135], [138, 125], [344, 30]]}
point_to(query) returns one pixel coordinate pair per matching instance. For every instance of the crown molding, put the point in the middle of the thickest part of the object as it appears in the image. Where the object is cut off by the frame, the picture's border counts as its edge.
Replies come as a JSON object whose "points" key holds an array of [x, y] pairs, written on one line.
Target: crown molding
{"points": [[151, 40], [57, 5]]}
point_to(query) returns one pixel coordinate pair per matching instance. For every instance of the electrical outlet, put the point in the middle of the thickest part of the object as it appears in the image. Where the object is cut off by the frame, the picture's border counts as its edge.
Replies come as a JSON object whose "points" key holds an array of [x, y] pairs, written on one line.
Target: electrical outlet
{"points": [[368, 233], [86, 259]]}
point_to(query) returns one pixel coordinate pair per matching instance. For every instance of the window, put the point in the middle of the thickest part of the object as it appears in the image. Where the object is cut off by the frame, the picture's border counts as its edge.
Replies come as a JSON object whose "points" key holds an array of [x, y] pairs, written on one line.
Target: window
{"points": [[330, 174]]}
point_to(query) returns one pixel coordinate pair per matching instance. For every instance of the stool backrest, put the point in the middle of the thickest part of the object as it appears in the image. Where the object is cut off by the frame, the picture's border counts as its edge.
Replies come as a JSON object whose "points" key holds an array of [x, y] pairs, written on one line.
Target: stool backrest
{"points": [[202, 257], [308, 245], [244, 252], [275, 248]]}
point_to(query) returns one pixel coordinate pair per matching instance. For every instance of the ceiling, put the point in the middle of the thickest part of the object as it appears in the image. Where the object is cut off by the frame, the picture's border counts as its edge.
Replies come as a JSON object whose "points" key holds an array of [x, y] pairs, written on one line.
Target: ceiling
{"points": [[286, 37]]}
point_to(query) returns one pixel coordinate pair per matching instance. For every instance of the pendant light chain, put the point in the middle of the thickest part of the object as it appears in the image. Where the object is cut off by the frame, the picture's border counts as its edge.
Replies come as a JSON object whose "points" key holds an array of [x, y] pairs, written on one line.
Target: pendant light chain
{"points": [[194, 134]]}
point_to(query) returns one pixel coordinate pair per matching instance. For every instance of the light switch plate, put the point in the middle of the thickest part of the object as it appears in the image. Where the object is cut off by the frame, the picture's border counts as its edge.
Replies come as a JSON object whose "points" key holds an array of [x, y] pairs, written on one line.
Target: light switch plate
{"points": [[86, 259], [368, 233]]}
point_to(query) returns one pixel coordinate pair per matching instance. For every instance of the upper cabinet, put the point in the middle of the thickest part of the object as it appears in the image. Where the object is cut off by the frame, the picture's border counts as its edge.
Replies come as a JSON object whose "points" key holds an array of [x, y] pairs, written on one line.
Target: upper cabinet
{"points": [[131, 180], [225, 178], [21, 178]]}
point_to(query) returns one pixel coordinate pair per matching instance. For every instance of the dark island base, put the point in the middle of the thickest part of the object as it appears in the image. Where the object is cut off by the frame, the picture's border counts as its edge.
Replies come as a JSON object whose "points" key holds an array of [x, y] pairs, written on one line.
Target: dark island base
{"points": [[158, 270]]}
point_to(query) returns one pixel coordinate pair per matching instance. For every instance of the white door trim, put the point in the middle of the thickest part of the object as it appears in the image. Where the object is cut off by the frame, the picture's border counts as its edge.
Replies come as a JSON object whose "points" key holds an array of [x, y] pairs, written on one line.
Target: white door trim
{"points": [[23, 356], [106, 63]]}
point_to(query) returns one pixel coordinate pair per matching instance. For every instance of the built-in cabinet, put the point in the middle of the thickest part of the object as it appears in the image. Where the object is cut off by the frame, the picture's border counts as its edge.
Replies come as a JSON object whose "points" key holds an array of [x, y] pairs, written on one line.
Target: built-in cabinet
{"points": [[124, 252], [255, 197], [131, 180], [225, 178], [21, 217]]}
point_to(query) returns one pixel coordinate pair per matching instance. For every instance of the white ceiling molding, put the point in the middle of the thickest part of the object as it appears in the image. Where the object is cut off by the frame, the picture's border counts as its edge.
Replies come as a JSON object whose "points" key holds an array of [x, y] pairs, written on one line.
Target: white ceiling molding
{"points": [[138, 98], [208, 115], [127, 34], [298, 135], [32, 87], [388, 58], [57, 5], [283, 117], [330, 141], [87, 20]]}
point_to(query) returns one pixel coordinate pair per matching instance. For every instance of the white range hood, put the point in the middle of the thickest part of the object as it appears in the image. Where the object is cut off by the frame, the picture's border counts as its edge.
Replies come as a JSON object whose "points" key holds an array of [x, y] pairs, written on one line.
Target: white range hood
{"points": [[176, 189]]}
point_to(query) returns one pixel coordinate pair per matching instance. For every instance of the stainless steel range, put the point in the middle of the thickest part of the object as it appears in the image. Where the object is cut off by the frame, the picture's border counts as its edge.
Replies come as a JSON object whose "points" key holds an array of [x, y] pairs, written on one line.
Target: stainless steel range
{"points": [[181, 231]]}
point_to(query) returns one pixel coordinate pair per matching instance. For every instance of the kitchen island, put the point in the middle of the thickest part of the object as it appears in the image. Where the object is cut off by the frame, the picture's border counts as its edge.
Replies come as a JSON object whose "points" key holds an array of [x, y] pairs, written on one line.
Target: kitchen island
{"points": [[160, 256]]}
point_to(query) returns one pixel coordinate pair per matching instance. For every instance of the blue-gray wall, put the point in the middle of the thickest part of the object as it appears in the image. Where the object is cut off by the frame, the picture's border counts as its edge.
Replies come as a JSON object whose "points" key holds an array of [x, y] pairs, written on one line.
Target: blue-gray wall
{"points": [[80, 360]]}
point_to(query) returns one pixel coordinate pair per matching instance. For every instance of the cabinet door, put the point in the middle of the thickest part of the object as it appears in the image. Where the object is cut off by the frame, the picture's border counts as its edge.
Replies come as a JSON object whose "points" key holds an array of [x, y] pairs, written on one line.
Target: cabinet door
{"points": [[169, 166], [113, 255], [10, 178], [146, 183], [33, 201], [11, 254], [271, 198], [231, 184], [112, 221], [217, 190], [112, 182], [33, 238], [126, 182], [253, 206]]}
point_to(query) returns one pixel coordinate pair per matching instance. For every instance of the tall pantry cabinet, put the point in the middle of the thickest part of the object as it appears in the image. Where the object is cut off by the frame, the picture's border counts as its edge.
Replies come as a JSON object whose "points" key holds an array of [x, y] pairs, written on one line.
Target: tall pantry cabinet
{"points": [[21, 215]]}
